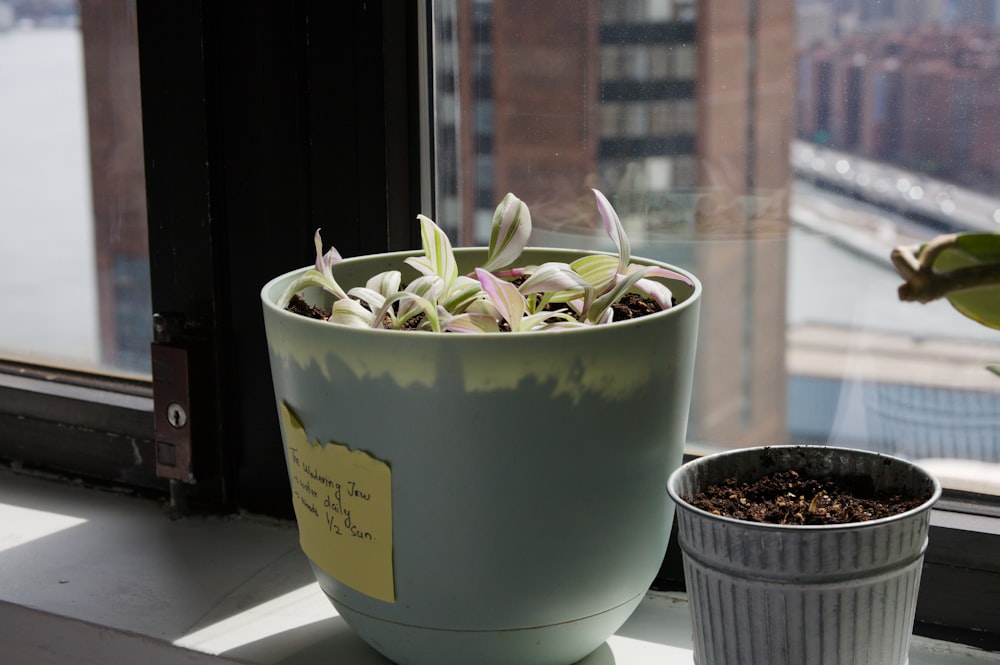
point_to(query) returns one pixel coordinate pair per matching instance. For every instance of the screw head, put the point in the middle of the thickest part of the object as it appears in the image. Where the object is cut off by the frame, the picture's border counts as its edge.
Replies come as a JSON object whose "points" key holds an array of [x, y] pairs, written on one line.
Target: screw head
{"points": [[176, 415]]}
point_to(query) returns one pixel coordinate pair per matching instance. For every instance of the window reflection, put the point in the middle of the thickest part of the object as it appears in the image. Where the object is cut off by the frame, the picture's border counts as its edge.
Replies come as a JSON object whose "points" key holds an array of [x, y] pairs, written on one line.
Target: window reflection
{"points": [[625, 97], [74, 264], [725, 133], [896, 120]]}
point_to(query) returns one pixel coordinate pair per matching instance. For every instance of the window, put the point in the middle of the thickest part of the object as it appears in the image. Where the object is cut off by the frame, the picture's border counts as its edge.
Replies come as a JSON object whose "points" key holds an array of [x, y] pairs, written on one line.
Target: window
{"points": [[755, 160], [237, 179], [203, 116], [72, 198], [789, 354], [74, 346]]}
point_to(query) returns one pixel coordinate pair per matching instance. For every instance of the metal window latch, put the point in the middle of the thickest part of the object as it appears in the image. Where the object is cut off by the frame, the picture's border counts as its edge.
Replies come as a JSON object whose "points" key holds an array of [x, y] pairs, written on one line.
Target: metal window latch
{"points": [[171, 399]]}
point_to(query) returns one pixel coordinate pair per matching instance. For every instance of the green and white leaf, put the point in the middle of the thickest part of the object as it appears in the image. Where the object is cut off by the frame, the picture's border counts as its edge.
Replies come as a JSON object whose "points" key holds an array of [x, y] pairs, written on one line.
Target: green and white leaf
{"points": [[624, 284], [464, 291], [469, 322], [387, 283], [974, 249], [504, 296], [425, 288], [543, 321], [553, 276], [311, 278], [613, 227], [509, 233], [348, 312], [374, 299], [598, 270], [438, 259]]}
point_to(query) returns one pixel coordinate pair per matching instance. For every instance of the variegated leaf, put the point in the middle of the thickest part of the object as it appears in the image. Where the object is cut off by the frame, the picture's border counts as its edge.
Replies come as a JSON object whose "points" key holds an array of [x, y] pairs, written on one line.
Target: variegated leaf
{"points": [[613, 227], [437, 249], [503, 295], [348, 312], [509, 233]]}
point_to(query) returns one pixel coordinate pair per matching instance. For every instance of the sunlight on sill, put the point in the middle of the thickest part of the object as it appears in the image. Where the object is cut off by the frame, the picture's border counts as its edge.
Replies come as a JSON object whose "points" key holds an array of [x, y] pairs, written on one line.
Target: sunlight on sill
{"points": [[308, 605], [23, 525], [965, 474], [295, 609], [637, 650]]}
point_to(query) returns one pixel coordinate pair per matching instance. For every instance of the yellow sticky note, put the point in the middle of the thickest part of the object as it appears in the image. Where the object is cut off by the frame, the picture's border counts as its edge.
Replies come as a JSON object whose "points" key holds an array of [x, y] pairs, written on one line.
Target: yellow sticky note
{"points": [[343, 505]]}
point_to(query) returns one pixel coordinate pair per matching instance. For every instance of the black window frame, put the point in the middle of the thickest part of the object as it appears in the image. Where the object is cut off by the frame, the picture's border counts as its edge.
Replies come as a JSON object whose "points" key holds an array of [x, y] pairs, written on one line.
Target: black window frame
{"points": [[79, 425], [263, 122]]}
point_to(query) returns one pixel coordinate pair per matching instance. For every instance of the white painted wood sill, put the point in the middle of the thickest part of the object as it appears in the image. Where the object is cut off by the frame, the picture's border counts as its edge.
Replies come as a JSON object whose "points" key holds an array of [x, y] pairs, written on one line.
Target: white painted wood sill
{"points": [[90, 577]]}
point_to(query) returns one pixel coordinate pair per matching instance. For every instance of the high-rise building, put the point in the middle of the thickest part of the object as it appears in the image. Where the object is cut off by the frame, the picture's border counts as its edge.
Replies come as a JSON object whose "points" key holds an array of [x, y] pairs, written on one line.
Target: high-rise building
{"points": [[683, 112], [111, 64]]}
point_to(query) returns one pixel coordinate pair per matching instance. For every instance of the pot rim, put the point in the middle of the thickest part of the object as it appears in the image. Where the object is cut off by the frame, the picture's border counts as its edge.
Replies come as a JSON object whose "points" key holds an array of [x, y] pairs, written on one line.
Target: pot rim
{"points": [[685, 468], [269, 293]]}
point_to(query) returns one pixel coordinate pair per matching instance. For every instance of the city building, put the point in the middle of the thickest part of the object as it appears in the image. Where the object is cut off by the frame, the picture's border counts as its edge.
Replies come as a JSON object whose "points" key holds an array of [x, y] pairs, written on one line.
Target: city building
{"points": [[924, 99], [683, 112], [111, 68]]}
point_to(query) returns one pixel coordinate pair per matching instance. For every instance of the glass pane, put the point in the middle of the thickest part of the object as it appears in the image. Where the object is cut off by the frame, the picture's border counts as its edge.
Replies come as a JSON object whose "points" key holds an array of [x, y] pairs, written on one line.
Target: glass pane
{"points": [[73, 257], [779, 150]]}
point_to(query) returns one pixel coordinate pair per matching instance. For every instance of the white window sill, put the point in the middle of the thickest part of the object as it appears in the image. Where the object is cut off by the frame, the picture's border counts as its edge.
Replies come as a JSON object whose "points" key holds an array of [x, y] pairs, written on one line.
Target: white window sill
{"points": [[91, 577]]}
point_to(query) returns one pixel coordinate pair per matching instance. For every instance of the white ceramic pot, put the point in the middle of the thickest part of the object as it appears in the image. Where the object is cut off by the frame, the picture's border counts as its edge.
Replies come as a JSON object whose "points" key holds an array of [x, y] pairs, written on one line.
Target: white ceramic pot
{"points": [[519, 478]]}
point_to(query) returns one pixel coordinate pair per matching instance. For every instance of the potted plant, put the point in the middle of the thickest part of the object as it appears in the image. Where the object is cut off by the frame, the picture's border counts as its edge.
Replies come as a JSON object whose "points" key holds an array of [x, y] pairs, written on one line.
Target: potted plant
{"points": [[802, 554], [483, 481], [780, 571]]}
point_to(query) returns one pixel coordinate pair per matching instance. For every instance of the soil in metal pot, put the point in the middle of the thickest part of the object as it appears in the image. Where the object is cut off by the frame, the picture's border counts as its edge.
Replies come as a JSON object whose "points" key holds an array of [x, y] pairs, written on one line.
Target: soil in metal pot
{"points": [[790, 497]]}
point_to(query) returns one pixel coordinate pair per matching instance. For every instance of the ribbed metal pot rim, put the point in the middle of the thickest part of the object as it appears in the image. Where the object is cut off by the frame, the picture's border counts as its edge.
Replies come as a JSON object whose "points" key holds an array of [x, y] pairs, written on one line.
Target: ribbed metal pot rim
{"points": [[720, 458]]}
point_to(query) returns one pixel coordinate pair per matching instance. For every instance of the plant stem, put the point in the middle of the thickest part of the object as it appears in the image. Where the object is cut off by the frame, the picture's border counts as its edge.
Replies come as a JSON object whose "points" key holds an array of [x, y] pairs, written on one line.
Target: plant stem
{"points": [[923, 284]]}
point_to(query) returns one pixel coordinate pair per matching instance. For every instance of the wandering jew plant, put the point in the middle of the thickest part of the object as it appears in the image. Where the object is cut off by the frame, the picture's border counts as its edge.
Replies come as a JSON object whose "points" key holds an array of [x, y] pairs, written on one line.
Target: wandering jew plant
{"points": [[496, 296]]}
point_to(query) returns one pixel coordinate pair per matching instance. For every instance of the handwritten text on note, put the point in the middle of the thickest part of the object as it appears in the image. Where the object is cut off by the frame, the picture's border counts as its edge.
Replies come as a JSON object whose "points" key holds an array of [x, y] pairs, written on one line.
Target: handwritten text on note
{"points": [[343, 506]]}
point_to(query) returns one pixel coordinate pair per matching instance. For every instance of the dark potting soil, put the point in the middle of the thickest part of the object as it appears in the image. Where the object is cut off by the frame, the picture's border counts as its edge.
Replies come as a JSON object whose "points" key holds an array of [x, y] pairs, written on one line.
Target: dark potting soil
{"points": [[631, 306], [298, 305], [788, 497]]}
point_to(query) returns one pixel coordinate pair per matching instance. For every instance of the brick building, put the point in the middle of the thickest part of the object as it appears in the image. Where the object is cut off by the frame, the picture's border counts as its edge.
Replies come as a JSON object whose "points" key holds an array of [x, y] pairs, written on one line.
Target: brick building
{"points": [[683, 112], [111, 63], [926, 100]]}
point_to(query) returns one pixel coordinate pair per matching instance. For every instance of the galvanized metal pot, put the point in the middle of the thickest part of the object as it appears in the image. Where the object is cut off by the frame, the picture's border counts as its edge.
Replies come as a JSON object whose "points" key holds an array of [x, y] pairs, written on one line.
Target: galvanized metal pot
{"points": [[787, 595], [528, 510]]}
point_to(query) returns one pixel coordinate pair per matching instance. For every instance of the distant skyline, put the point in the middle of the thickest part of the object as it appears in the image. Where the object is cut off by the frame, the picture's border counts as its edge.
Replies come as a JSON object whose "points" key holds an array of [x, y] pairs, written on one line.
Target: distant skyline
{"points": [[827, 20], [926, 99]]}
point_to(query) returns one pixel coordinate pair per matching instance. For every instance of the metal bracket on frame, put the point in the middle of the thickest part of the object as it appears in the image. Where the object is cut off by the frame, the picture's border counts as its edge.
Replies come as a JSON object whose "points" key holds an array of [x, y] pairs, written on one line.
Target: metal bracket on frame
{"points": [[171, 401]]}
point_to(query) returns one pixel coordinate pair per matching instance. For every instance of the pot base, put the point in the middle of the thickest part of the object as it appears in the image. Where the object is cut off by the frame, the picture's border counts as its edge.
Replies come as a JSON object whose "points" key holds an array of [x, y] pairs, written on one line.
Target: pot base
{"points": [[556, 644]]}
